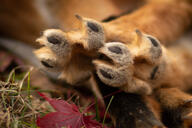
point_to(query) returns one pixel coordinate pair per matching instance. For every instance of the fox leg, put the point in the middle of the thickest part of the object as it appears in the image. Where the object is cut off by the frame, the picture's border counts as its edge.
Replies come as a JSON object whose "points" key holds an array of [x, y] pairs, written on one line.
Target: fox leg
{"points": [[176, 107], [129, 109], [154, 18]]}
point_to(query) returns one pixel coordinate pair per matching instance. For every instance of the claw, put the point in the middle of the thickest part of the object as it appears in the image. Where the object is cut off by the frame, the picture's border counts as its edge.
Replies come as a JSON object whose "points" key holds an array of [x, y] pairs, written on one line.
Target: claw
{"points": [[78, 17], [138, 37]]}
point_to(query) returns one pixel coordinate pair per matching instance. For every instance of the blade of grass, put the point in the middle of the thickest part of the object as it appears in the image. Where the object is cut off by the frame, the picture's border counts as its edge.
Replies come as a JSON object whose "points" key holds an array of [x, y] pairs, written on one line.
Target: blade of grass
{"points": [[97, 109], [8, 118], [22, 81], [3, 100], [107, 110], [28, 84], [29, 88], [13, 77]]}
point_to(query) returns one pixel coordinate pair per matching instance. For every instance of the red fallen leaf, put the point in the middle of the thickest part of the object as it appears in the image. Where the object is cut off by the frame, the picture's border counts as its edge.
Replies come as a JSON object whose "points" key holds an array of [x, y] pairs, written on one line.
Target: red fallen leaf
{"points": [[66, 115]]}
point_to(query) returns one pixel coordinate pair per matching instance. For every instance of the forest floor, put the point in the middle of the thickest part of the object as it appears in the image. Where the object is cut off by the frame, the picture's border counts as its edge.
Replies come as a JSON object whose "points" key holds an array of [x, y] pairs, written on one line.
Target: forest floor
{"points": [[21, 105]]}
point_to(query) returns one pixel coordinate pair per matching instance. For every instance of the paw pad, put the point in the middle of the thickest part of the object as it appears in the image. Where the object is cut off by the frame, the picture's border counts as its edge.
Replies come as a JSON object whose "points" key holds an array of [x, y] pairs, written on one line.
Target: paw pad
{"points": [[153, 41], [46, 64], [106, 74], [93, 27], [115, 49], [54, 39], [118, 53]]}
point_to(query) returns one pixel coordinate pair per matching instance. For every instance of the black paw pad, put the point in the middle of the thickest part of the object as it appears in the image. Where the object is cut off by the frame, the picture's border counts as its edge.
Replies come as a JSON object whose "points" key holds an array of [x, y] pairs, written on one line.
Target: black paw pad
{"points": [[115, 49], [93, 27], [105, 74], [153, 73], [46, 64], [54, 39], [153, 41]]}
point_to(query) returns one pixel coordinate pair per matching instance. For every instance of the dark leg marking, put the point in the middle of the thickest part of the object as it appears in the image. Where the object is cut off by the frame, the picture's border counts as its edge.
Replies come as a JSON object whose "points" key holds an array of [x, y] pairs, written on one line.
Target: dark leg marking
{"points": [[153, 73], [153, 41], [115, 49], [129, 110], [172, 117], [46, 64], [105, 74]]}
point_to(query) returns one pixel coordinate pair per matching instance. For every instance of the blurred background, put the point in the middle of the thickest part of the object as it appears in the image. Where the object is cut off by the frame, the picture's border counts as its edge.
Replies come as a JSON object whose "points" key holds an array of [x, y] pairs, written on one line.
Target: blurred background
{"points": [[23, 21]]}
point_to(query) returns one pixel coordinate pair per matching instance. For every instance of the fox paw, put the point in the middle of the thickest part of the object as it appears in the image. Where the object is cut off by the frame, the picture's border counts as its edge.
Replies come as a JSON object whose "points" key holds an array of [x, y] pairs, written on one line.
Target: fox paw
{"points": [[115, 67], [115, 64], [71, 52], [132, 67]]}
